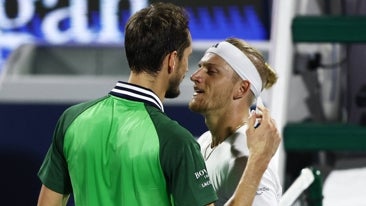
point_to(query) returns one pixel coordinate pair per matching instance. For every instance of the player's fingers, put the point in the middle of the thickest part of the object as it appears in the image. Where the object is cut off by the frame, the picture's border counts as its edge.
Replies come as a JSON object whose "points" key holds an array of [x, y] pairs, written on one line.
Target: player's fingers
{"points": [[251, 122]]}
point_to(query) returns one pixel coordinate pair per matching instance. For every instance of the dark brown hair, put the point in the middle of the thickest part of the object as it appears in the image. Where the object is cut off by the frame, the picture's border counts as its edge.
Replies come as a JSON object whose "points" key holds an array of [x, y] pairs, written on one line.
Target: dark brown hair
{"points": [[154, 32]]}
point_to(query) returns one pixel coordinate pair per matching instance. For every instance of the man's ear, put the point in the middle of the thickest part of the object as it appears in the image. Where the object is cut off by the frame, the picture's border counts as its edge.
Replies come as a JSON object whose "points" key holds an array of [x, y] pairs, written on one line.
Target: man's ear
{"points": [[244, 87], [172, 58]]}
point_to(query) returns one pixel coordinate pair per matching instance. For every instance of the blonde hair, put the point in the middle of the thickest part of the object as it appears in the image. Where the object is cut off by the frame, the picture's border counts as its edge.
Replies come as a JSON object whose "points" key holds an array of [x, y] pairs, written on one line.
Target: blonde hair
{"points": [[268, 75]]}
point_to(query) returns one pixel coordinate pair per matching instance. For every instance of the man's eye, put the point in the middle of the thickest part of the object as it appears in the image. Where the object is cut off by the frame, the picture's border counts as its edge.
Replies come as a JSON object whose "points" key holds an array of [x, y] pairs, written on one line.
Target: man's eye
{"points": [[211, 71]]}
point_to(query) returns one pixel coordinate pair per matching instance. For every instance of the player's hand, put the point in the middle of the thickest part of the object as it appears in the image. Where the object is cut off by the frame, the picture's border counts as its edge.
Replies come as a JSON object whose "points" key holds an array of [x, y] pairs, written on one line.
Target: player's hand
{"points": [[263, 140]]}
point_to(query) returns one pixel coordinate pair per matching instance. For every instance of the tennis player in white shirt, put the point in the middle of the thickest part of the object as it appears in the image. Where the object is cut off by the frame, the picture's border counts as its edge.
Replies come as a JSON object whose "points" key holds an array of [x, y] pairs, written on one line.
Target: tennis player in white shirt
{"points": [[229, 80]]}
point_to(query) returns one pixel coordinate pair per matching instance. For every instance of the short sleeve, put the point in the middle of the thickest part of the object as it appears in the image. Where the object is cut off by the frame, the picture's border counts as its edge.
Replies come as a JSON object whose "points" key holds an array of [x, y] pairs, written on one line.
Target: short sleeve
{"points": [[186, 173], [53, 172]]}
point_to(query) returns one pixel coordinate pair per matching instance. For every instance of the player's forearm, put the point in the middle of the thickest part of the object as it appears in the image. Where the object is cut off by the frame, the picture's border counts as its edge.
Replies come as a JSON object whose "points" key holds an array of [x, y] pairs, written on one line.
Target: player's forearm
{"points": [[47, 197]]}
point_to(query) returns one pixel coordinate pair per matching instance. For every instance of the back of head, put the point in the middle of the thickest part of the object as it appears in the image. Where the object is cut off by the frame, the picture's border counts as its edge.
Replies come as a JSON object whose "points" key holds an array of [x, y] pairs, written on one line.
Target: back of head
{"points": [[154, 32]]}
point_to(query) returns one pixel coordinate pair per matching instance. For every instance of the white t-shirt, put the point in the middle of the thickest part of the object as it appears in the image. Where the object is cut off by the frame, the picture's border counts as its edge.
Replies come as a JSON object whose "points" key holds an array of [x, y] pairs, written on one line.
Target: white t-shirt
{"points": [[225, 165]]}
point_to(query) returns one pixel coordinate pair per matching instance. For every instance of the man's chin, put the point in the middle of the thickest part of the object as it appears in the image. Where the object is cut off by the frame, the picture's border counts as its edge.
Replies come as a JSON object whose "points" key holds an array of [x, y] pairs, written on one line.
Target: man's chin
{"points": [[172, 95], [193, 107]]}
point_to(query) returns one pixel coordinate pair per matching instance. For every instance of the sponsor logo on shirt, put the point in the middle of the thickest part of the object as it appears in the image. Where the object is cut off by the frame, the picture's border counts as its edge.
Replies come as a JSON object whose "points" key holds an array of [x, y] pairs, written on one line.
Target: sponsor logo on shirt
{"points": [[203, 174], [205, 184], [261, 190]]}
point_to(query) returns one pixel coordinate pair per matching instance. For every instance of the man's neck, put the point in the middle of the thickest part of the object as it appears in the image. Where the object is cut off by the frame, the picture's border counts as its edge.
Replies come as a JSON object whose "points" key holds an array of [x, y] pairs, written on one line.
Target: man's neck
{"points": [[224, 125]]}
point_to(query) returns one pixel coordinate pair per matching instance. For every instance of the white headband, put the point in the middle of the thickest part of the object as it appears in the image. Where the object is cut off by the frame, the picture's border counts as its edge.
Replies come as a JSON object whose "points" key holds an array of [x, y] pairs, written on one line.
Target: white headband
{"points": [[240, 63]]}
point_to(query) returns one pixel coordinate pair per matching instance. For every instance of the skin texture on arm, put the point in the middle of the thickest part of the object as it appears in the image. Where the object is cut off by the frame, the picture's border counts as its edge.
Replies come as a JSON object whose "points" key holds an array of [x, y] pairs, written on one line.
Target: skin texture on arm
{"points": [[48, 197], [263, 143]]}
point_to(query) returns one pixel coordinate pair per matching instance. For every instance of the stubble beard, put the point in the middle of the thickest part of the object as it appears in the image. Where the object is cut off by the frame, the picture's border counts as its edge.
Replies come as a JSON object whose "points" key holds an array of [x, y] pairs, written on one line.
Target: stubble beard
{"points": [[173, 90], [195, 106]]}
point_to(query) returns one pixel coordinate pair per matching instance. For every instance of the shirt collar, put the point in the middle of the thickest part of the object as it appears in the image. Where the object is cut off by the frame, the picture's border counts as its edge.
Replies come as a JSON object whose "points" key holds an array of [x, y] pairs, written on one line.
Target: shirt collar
{"points": [[136, 93]]}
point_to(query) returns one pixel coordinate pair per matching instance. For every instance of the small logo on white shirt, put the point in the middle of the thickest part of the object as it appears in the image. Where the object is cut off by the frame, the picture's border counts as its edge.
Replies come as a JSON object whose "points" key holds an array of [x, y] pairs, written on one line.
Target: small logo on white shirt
{"points": [[261, 190]]}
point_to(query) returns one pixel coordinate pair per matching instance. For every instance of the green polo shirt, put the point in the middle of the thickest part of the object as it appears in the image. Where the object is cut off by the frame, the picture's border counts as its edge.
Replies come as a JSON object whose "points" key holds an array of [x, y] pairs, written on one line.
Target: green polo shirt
{"points": [[122, 149]]}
